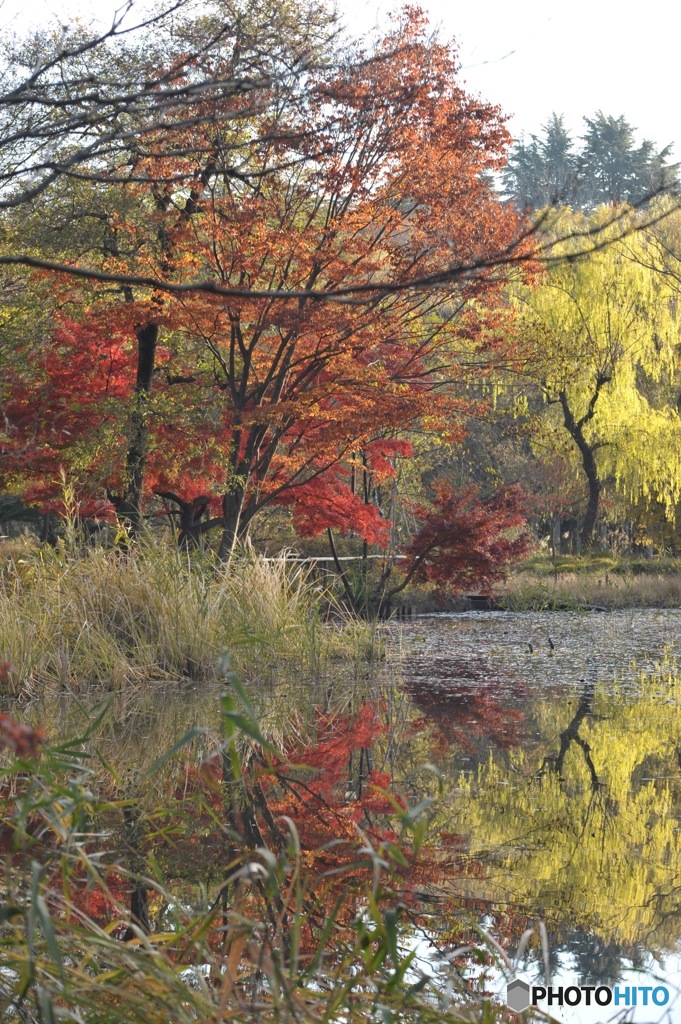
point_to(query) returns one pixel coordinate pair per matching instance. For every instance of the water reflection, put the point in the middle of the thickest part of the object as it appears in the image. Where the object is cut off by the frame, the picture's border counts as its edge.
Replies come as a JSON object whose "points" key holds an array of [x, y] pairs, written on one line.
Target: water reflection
{"points": [[560, 736]]}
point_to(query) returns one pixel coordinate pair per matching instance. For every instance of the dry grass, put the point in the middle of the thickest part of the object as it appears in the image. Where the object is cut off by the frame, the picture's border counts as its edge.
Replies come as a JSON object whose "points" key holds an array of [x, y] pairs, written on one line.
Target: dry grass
{"points": [[113, 618], [529, 590]]}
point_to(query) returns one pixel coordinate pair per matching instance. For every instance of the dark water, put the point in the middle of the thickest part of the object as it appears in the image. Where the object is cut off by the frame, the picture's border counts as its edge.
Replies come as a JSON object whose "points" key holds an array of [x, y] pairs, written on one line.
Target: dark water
{"points": [[558, 735]]}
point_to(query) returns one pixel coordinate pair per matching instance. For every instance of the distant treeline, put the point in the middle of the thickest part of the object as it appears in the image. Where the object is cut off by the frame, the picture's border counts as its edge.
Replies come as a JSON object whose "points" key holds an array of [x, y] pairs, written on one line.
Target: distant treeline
{"points": [[608, 167]]}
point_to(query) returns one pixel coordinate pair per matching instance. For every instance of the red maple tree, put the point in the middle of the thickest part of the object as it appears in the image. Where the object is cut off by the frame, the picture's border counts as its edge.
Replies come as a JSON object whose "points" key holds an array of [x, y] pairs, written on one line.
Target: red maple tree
{"points": [[379, 175]]}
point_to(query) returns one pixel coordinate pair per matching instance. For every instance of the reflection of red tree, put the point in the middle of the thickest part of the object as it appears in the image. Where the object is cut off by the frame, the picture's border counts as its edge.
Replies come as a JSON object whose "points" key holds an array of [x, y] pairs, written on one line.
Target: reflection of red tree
{"points": [[335, 812], [314, 783], [339, 803], [102, 905], [328, 787], [325, 800], [466, 720]]}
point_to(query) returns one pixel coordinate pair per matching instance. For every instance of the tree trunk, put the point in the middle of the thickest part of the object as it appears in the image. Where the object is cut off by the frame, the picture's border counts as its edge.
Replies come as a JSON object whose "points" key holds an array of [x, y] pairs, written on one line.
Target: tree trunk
{"points": [[232, 504], [48, 533], [237, 515], [555, 535], [576, 430], [139, 897], [589, 463], [191, 526], [147, 336], [349, 593]]}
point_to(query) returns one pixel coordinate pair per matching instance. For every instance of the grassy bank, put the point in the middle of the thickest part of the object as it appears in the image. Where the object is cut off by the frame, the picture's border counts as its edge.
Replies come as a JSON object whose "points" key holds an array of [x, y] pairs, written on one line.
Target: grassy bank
{"points": [[593, 581], [115, 619]]}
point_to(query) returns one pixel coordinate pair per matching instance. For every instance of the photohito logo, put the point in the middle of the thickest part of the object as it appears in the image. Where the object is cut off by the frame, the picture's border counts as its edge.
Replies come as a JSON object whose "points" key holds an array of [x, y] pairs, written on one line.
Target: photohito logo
{"points": [[519, 995]]}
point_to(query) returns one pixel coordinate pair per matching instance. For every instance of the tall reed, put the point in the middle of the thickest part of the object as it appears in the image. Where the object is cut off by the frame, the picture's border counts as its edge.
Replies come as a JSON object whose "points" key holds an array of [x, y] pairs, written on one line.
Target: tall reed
{"points": [[74, 618]]}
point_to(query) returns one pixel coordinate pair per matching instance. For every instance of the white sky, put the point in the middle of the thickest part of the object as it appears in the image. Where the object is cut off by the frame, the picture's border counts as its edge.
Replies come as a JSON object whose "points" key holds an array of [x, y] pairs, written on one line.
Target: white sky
{"points": [[530, 56], [536, 56]]}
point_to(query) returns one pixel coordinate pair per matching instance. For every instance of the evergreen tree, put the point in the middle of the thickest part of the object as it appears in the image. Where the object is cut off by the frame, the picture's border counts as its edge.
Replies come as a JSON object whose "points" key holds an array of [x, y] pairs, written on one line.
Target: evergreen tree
{"points": [[559, 164], [609, 167], [522, 175], [543, 173], [613, 170]]}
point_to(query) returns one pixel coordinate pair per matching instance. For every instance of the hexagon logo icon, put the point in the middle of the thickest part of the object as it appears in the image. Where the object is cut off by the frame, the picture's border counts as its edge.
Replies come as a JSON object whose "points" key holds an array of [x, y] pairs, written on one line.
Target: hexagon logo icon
{"points": [[518, 995]]}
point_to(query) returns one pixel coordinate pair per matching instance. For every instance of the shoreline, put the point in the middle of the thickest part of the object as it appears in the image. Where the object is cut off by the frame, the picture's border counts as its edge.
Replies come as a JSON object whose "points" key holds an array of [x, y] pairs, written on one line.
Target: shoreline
{"points": [[596, 583]]}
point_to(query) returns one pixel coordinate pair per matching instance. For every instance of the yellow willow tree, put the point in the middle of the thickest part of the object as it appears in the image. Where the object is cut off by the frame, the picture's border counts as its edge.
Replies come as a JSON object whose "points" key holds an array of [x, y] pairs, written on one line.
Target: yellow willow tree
{"points": [[600, 350]]}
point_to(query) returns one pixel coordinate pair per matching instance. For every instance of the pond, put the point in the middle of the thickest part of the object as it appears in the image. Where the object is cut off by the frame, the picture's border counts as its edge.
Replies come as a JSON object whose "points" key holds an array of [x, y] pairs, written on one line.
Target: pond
{"points": [[558, 737]]}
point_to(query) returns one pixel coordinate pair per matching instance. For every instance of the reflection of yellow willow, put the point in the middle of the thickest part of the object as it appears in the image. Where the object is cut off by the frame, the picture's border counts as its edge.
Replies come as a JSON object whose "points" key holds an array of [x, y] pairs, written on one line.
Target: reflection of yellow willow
{"points": [[594, 844]]}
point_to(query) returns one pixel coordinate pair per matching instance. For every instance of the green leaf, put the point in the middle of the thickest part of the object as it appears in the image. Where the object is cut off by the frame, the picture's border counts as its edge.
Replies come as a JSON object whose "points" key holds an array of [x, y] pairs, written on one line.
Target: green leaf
{"points": [[418, 809], [198, 730]]}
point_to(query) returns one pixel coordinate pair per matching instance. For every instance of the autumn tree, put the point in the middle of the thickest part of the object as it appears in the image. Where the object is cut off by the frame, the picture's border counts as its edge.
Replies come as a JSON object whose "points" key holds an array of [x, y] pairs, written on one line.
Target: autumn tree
{"points": [[600, 337], [100, 121], [375, 177], [82, 102], [460, 542]]}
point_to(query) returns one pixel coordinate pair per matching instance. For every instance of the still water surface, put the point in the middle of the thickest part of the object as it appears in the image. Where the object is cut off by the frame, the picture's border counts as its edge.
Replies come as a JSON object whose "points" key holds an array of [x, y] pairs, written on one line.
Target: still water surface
{"points": [[558, 735]]}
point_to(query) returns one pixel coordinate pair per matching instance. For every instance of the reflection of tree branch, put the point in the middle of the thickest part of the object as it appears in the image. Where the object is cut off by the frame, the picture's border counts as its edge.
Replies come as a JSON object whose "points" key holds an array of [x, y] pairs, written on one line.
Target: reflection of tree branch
{"points": [[587, 819], [668, 915], [589, 763], [571, 735]]}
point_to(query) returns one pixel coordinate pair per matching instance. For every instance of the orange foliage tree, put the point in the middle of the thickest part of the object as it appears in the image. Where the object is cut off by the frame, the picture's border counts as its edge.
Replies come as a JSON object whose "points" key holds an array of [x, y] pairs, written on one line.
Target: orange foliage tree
{"points": [[378, 177]]}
